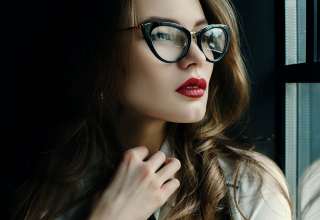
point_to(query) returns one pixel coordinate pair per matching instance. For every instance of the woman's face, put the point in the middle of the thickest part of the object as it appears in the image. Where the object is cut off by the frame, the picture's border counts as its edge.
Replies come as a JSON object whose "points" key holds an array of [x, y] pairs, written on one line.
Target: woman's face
{"points": [[152, 83]]}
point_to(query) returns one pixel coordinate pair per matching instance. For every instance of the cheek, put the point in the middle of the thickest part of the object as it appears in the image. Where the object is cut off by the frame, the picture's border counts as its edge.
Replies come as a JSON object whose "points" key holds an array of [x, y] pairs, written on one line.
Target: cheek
{"points": [[149, 81], [150, 90]]}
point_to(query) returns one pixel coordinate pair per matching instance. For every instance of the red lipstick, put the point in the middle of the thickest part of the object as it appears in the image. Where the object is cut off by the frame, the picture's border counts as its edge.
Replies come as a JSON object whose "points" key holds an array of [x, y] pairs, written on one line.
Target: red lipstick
{"points": [[193, 87]]}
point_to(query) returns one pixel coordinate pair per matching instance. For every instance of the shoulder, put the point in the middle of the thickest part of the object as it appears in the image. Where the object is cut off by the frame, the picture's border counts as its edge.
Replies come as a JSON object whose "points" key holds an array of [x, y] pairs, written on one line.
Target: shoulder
{"points": [[261, 190], [262, 168]]}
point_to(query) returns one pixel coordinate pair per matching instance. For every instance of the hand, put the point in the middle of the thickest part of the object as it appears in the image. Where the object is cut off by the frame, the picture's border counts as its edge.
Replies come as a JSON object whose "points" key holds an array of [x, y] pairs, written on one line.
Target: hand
{"points": [[139, 187]]}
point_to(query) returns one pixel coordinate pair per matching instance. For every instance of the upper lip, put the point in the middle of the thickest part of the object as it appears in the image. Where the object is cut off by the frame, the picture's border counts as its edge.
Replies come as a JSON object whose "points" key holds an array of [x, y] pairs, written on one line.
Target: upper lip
{"points": [[201, 83]]}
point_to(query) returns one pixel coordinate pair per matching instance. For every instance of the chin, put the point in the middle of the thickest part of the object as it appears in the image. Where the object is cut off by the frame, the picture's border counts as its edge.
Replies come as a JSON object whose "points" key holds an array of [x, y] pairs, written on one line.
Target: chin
{"points": [[189, 118]]}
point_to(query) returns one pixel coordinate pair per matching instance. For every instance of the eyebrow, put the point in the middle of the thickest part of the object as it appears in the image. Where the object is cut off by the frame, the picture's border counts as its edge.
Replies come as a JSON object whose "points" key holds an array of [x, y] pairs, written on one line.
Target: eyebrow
{"points": [[157, 18]]}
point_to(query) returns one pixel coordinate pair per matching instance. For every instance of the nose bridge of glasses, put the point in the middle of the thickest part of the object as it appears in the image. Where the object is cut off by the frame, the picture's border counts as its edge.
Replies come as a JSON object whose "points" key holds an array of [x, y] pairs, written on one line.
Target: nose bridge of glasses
{"points": [[193, 35]]}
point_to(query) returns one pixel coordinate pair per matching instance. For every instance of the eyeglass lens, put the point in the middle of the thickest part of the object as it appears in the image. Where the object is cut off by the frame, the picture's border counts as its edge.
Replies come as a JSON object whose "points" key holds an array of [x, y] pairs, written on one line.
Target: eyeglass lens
{"points": [[170, 42]]}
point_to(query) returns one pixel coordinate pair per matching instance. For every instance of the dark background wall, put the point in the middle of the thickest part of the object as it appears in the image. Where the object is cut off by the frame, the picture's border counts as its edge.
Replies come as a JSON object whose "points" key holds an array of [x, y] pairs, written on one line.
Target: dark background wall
{"points": [[259, 39]]}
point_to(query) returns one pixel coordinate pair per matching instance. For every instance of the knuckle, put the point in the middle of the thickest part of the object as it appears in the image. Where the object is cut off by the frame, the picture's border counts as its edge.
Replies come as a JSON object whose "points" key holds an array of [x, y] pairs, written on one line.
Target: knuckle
{"points": [[130, 155], [146, 170], [144, 147], [126, 156], [154, 185]]}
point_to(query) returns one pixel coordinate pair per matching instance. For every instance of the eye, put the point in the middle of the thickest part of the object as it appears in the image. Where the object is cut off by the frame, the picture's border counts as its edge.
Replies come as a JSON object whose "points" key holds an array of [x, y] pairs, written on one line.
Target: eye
{"points": [[160, 36]]}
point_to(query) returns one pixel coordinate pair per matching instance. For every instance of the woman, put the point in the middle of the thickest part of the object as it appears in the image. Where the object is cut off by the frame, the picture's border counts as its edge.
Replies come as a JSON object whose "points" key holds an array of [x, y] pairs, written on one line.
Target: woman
{"points": [[170, 82]]}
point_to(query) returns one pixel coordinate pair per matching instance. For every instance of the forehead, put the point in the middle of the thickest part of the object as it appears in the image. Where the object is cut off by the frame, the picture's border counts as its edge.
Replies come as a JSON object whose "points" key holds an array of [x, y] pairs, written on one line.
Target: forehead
{"points": [[186, 12]]}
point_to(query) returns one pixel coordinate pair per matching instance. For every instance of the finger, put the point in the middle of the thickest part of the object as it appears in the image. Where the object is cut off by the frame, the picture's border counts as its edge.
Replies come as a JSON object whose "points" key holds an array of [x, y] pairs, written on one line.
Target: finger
{"points": [[168, 159], [128, 157], [168, 171], [170, 187], [139, 152], [142, 152], [136, 153], [156, 160]]}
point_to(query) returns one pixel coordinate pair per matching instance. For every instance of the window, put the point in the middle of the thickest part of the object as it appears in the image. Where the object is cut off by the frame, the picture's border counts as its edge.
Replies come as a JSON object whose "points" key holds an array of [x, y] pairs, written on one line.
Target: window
{"points": [[302, 136]]}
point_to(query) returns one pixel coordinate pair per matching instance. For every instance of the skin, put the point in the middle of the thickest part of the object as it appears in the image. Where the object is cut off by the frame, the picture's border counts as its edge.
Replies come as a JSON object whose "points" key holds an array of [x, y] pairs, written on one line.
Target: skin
{"points": [[149, 101]]}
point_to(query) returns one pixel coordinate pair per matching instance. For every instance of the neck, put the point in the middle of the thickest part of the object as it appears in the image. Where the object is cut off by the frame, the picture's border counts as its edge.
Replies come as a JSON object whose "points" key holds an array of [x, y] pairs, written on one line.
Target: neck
{"points": [[134, 130]]}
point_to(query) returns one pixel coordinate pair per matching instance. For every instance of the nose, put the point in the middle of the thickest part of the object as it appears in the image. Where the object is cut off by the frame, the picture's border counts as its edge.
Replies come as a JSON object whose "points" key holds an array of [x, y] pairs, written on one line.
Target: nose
{"points": [[194, 55]]}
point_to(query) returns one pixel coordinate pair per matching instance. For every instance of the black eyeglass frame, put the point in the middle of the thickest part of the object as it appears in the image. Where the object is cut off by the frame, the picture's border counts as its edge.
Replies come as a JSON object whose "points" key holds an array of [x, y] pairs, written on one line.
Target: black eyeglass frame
{"points": [[148, 26]]}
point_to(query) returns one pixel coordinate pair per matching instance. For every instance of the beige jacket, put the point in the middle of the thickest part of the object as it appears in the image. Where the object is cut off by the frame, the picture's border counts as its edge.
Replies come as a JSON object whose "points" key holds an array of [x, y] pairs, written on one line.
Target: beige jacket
{"points": [[265, 204]]}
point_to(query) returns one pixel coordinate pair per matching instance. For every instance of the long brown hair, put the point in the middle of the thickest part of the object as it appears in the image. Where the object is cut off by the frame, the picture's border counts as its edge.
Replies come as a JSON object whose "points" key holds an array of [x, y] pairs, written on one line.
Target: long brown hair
{"points": [[82, 164]]}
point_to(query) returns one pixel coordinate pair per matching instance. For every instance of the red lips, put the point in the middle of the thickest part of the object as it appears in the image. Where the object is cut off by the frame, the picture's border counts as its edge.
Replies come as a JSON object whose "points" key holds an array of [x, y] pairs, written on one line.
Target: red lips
{"points": [[193, 88], [201, 83]]}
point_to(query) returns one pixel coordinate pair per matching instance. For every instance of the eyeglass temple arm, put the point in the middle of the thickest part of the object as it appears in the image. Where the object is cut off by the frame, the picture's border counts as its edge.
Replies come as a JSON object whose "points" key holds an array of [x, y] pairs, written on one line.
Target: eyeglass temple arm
{"points": [[137, 27]]}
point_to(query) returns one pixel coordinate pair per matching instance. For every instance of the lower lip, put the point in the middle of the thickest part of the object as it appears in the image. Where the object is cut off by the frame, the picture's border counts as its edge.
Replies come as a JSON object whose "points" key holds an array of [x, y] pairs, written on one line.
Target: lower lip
{"points": [[193, 93]]}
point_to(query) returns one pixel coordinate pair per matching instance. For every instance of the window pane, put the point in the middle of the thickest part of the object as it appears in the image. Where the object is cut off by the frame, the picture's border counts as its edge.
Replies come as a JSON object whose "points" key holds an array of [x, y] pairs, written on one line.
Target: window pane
{"points": [[295, 31], [303, 147]]}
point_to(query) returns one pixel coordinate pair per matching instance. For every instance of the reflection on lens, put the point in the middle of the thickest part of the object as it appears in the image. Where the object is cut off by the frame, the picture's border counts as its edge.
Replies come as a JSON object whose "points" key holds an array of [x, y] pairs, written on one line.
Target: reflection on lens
{"points": [[169, 42], [213, 43]]}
